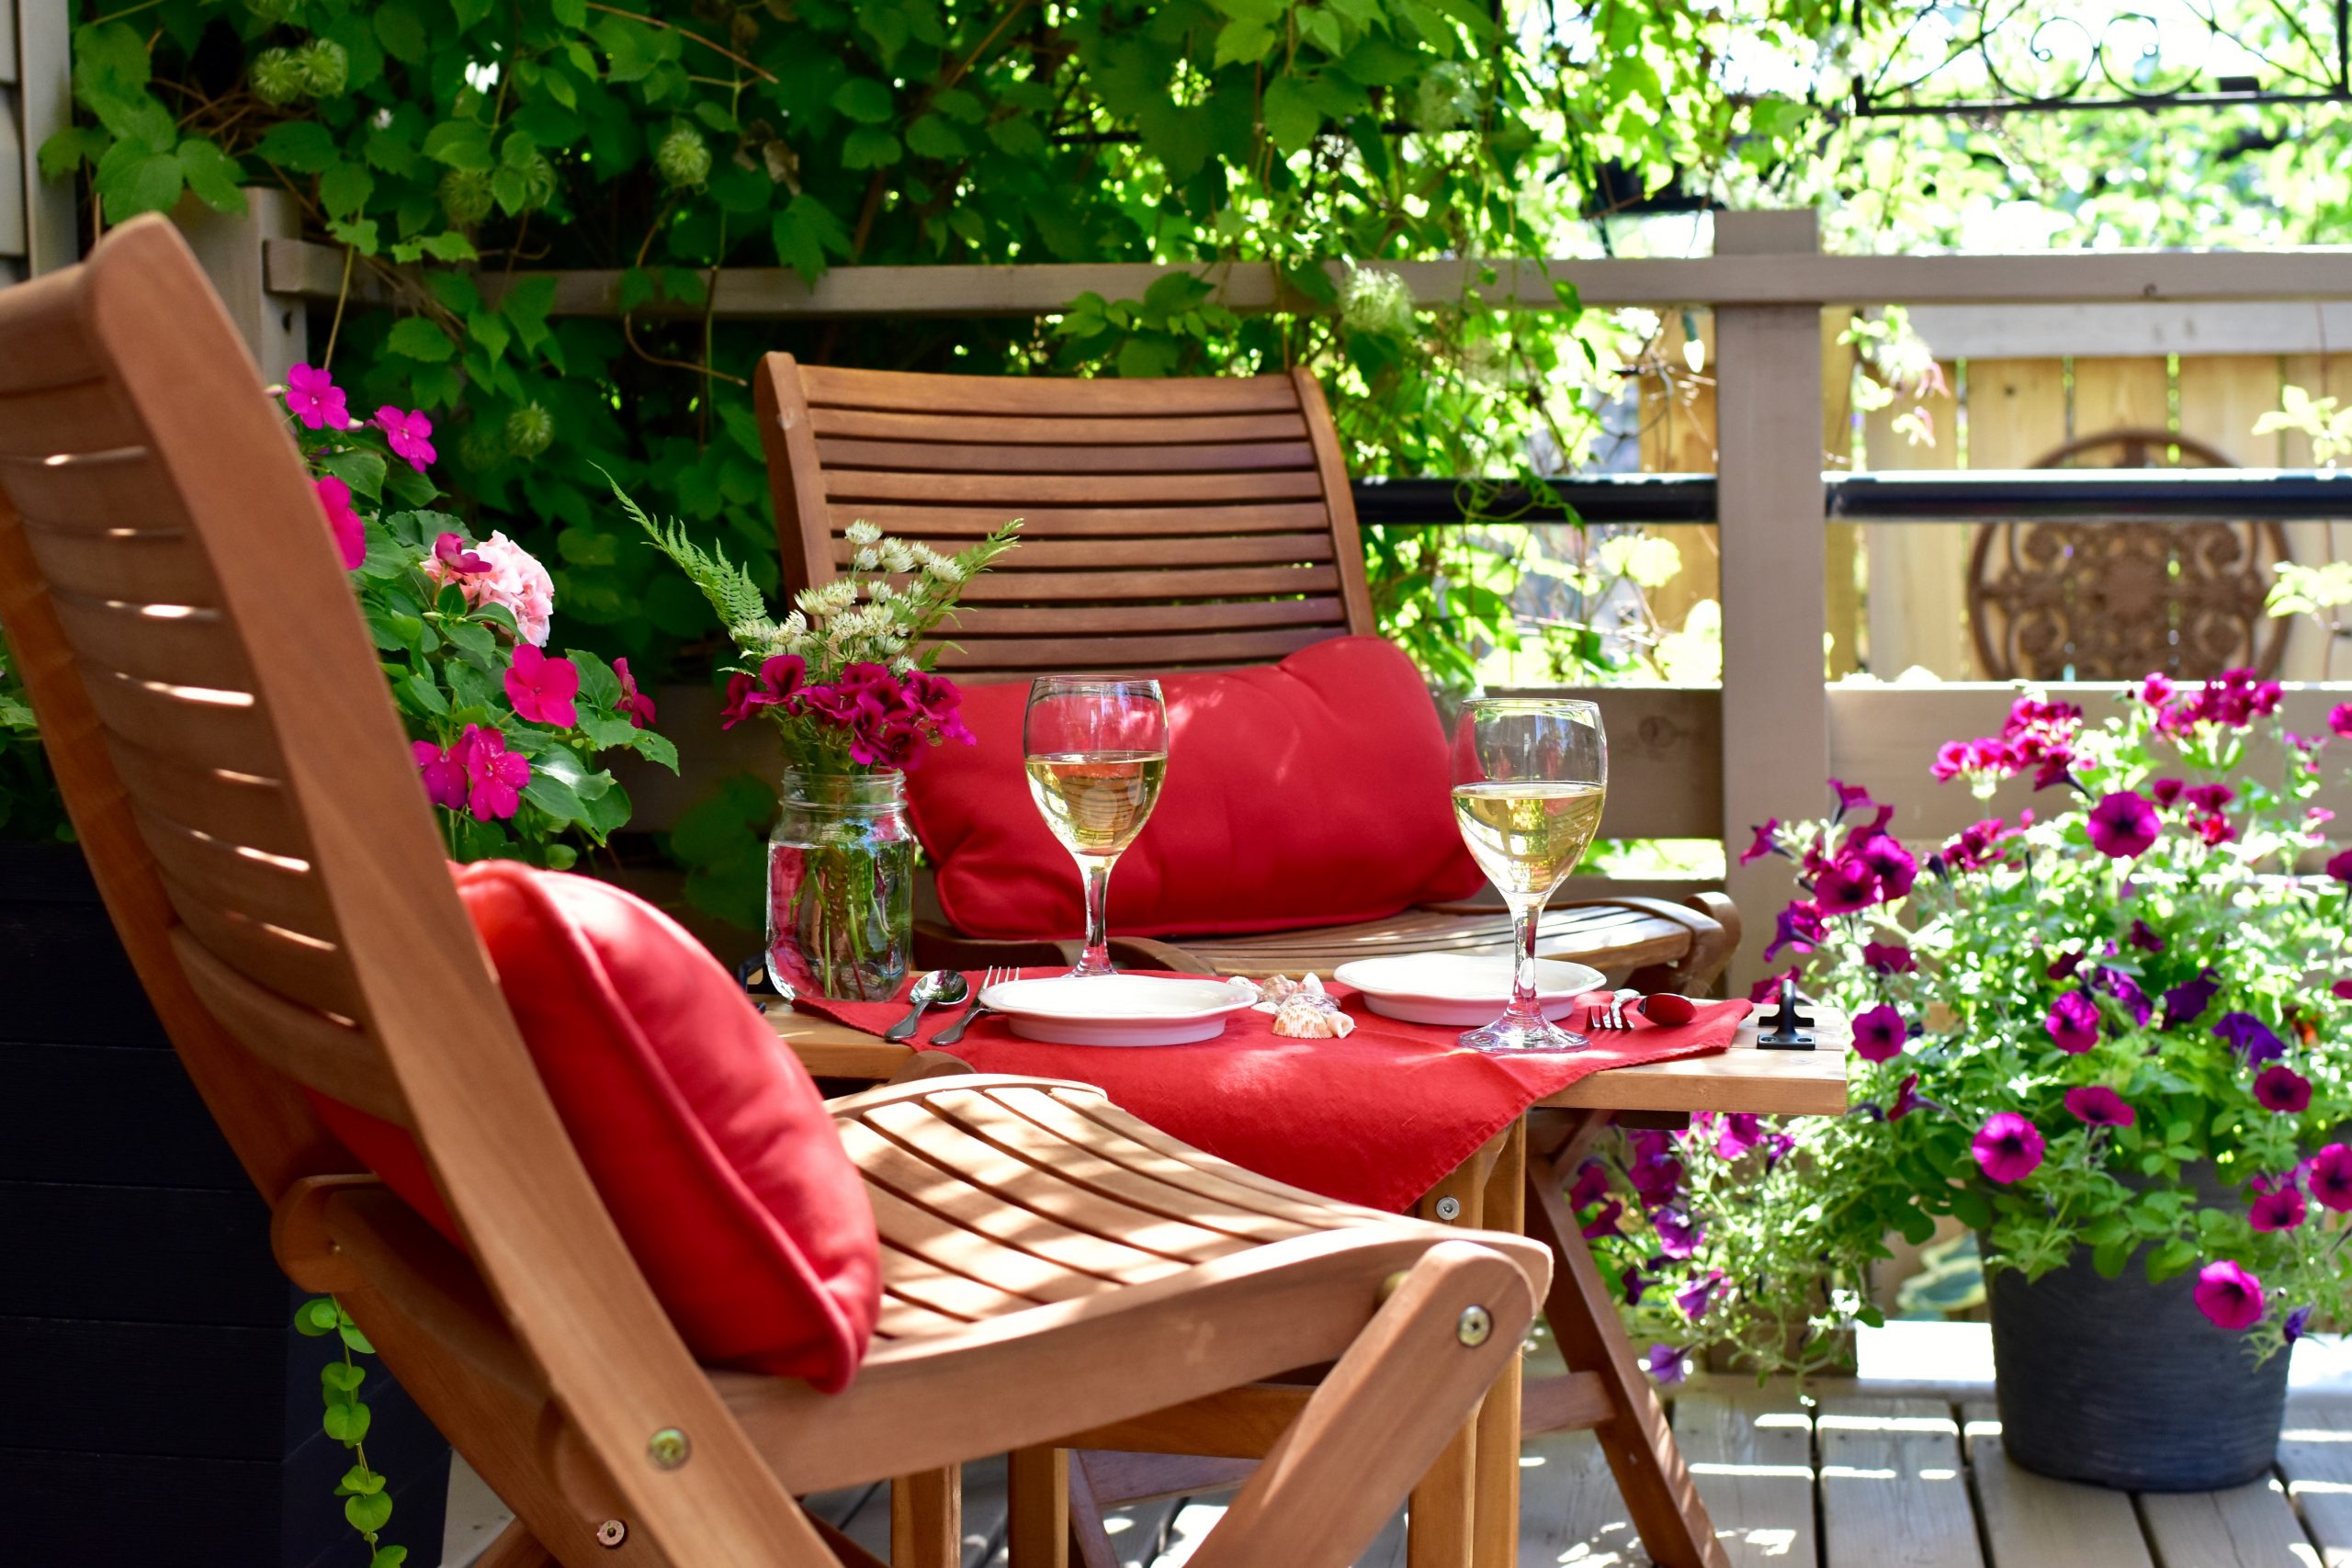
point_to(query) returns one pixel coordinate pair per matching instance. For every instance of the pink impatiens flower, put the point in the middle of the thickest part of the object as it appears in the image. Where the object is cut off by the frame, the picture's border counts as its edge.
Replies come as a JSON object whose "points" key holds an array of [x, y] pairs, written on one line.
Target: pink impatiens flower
{"points": [[2097, 1105], [408, 434], [542, 689], [2123, 824], [350, 535], [444, 775], [633, 704], [454, 559], [495, 777], [2007, 1147], [312, 397], [2230, 1297]]}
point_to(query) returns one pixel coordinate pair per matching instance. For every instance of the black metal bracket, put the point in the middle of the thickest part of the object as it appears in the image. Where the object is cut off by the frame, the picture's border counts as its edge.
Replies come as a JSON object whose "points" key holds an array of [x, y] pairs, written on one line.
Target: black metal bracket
{"points": [[1788, 1024]]}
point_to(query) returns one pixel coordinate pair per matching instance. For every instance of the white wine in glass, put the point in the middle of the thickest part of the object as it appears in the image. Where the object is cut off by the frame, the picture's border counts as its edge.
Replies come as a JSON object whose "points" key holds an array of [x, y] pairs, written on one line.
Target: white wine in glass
{"points": [[1097, 750], [1530, 778]]}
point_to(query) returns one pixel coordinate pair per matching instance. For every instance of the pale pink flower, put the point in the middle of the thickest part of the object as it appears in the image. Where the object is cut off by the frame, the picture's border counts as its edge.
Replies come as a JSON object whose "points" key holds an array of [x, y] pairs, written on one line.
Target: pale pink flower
{"points": [[502, 572], [343, 523], [312, 397], [408, 436]]}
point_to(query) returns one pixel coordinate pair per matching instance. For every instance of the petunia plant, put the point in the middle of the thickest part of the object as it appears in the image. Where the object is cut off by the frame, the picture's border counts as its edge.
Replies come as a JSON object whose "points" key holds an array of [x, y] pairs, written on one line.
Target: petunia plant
{"points": [[2116, 1027], [507, 737]]}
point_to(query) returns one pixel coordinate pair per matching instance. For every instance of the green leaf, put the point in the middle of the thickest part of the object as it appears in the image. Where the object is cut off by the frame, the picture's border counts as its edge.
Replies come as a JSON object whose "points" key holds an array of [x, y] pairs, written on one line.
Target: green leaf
{"points": [[110, 58], [804, 233], [317, 1317], [402, 31], [131, 180], [1242, 43], [354, 1338], [869, 147], [343, 1376], [449, 248], [367, 1515], [212, 174], [303, 145], [572, 14], [419, 338], [360, 468], [137, 118], [75, 145], [1291, 119], [344, 188], [655, 747], [460, 143], [388, 1557], [348, 1422], [932, 137], [361, 1482], [866, 100]]}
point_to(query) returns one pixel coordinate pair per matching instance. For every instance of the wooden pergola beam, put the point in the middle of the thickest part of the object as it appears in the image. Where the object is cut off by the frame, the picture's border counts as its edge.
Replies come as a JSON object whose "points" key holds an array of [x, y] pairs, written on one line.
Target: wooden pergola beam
{"points": [[310, 270]]}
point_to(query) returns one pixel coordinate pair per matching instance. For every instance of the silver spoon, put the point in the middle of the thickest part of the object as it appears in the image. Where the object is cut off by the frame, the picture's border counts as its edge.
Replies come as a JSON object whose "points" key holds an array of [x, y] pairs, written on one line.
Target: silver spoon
{"points": [[947, 986], [1665, 1006]]}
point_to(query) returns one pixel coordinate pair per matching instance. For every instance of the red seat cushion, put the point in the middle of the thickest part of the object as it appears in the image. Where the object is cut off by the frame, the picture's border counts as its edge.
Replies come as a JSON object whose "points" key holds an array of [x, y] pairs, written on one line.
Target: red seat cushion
{"points": [[702, 1134], [1311, 792]]}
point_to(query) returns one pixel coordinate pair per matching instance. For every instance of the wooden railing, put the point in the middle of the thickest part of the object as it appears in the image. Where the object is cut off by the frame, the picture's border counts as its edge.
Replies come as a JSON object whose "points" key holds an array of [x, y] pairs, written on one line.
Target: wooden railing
{"points": [[1687, 764]]}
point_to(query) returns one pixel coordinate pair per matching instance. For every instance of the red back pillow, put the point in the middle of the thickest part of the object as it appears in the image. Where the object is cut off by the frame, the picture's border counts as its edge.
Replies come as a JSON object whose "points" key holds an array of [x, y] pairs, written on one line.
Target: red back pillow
{"points": [[702, 1134], [1313, 791]]}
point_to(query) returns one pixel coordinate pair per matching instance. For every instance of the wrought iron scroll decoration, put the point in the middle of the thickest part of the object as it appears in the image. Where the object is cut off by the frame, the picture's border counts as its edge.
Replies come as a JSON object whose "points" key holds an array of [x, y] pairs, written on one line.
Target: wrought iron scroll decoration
{"points": [[2114, 57]]}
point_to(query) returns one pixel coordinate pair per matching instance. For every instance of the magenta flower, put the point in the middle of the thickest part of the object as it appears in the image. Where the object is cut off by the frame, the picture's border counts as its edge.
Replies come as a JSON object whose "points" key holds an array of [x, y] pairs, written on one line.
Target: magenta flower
{"points": [[2097, 1105], [1845, 886], [1605, 1222], [1634, 1283], [780, 683], [1699, 1294], [312, 397], [1664, 1363], [343, 523], [1741, 1131], [2340, 867], [2282, 1090], [1679, 1235], [1908, 1098], [2158, 691], [2123, 824], [408, 434], [1762, 844], [1798, 926], [2229, 1298], [455, 559], [2279, 1209], [2168, 791], [444, 775], [2072, 1023], [636, 704], [2144, 937], [1768, 989], [1888, 958], [1591, 1185], [1879, 1034], [2342, 988], [542, 689], [2124, 989], [1850, 797], [495, 776], [2339, 720], [2331, 1178], [2008, 1148]]}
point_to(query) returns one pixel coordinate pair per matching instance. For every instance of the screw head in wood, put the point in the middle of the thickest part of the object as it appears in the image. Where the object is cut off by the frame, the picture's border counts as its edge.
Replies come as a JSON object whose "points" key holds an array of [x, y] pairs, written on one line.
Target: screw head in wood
{"points": [[669, 1448], [1473, 1327], [611, 1533], [1449, 1208]]}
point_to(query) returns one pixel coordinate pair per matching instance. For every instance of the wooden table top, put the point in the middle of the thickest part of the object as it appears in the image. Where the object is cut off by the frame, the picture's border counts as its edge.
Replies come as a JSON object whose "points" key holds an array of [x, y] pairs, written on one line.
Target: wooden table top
{"points": [[1781, 1083]]}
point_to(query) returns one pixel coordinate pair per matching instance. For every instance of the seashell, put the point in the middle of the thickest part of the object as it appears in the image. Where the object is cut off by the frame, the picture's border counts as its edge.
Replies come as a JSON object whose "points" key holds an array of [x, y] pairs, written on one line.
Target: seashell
{"points": [[1304, 1017]]}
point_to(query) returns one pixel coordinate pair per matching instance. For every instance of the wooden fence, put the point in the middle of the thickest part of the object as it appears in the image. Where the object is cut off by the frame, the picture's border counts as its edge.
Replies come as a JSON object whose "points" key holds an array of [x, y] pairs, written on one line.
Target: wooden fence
{"points": [[1688, 763]]}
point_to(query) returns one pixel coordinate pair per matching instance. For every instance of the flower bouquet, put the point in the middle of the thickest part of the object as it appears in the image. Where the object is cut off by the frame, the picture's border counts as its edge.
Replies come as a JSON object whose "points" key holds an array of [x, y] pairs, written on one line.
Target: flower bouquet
{"points": [[507, 735], [2109, 1035], [848, 682]]}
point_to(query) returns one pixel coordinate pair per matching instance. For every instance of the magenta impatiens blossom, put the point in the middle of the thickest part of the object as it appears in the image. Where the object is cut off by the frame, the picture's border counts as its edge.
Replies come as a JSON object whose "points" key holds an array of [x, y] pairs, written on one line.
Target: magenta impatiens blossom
{"points": [[2123, 824], [350, 535], [2072, 1023], [2099, 1106], [452, 556], [2330, 1174], [2230, 1297], [543, 689], [444, 774], [2007, 1147], [634, 705], [2281, 1208], [2279, 1088], [495, 777], [1879, 1034], [312, 397], [410, 435]]}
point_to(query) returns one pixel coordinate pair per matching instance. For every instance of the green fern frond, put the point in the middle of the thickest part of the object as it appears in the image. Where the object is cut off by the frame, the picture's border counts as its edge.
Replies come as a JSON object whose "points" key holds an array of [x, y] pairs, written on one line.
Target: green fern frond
{"points": [[743, 608]]}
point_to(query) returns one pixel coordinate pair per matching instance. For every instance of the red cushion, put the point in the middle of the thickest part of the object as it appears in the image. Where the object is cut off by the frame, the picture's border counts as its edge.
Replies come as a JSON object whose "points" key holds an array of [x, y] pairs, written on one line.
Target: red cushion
{"points": [[1313, 791], [702, 1134]]}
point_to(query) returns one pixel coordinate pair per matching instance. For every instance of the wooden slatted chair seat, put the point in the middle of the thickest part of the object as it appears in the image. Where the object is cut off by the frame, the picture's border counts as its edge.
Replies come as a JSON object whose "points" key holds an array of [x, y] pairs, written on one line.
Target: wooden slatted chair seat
{"points": [[1190, 524], [235, 769]]}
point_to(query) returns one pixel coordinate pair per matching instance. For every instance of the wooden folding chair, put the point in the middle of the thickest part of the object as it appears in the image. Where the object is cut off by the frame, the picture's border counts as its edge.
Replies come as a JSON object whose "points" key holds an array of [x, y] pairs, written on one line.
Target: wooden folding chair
{"points": [[1169, 524], [235, 769]]}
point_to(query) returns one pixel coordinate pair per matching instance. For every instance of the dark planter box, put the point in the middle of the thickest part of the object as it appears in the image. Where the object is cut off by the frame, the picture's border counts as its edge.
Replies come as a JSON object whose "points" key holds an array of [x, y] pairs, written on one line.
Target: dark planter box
{"points": [[153, 1379]]}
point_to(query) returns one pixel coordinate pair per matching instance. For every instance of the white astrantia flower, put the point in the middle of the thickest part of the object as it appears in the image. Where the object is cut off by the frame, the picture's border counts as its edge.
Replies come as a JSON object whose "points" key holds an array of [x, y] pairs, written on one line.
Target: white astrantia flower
{"points": [[862, 532], [901, 665], [896, 556], [867, 560], [947, 568], [793, 625]]}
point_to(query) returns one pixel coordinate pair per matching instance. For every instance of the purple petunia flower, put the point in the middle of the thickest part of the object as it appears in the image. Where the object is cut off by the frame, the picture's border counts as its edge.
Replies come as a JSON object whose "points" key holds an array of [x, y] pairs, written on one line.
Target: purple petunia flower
{"points": [[1591, 1185], [2297, 1321], [2099, 1106], [2342, 988], [1798, 926], [1845, 885], [2186, 1002], [2062, 967], [2008, 1148], [2143, 936], [1604, 1223], [1888, 958], [1741, 1131], [2339, 720], [2282, 1090], [1908, 1098], [2126, 991], [2072, 1023], [2230, 1297], [1664, 1363], [1879, 1034], [1699, 1294], [2340, 867], [1763, 844], [1778, 1146], [1635, 1284], [2331, 1178], [2250, 1038], [2281, 1209], [1895, 867], [2123, 824], [1679, 1235], [1850, 797]]}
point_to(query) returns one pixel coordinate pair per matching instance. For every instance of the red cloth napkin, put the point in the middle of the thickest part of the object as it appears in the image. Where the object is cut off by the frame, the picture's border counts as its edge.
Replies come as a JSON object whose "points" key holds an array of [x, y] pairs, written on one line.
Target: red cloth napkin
{"points": [[1378, 1118]]}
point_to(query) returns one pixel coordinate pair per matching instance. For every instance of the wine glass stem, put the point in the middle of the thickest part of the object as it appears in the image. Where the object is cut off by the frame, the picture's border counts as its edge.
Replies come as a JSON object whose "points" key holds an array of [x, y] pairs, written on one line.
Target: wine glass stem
{"points": [[1526, 918], [1096, 869]]}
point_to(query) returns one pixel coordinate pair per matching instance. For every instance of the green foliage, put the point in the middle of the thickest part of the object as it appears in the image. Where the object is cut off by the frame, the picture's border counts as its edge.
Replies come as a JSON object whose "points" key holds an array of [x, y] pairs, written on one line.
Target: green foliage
{"points": [[367, 1507]]}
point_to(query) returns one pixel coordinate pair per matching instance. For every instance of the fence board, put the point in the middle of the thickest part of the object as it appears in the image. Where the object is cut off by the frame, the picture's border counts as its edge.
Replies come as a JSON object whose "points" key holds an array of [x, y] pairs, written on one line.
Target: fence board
{"points": [[2120, 394], [1917, 614]]}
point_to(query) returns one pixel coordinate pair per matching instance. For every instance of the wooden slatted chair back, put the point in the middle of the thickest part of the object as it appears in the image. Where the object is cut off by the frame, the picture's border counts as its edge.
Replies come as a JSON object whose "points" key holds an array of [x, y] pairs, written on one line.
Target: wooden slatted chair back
{"points": [[233, 766], [1200, 523]]}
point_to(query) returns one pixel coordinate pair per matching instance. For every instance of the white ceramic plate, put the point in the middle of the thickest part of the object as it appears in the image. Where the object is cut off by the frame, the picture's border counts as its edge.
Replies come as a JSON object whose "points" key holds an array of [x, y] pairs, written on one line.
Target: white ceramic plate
{"points": [[1118, 1010], [1452, 987]]}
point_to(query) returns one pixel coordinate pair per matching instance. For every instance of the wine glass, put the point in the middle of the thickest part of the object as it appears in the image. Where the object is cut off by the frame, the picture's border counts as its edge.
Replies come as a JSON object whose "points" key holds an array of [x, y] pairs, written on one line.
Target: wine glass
{"points": [[1097, 750], [1529, 778]]}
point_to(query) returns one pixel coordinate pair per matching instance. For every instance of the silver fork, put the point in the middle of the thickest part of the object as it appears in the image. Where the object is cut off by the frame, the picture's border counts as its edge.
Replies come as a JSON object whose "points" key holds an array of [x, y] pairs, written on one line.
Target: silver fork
{"points": [[955, 1031], [1610, 1015]]}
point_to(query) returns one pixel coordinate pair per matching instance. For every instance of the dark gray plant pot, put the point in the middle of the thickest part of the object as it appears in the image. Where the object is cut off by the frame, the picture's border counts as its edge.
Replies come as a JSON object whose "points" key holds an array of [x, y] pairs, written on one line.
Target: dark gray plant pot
{"points": [[2123, 1383]]}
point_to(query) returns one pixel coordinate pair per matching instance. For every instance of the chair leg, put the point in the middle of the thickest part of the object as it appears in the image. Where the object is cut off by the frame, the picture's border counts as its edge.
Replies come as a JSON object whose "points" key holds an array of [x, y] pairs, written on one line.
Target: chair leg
{"points": [[1441, 1523], [927, 1519], [1653, 1479], [1088, 1540], [1037, 1507], [1380, 1417]]}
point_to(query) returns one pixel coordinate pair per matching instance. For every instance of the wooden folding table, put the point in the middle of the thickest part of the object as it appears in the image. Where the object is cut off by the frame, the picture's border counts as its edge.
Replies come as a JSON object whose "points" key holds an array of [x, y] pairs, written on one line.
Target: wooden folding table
{"points": [[1466, 1511]]}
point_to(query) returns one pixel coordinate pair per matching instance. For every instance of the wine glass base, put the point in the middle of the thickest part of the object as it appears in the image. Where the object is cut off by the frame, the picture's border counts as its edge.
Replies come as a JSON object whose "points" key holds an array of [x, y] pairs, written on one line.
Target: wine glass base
{"points": [[1089, 967], [1511, 1033]]}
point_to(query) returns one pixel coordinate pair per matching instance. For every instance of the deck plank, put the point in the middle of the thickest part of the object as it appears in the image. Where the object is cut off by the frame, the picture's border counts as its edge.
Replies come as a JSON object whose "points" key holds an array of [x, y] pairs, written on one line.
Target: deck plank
{"points": [[2316, 1456], [1570, 1508], [2246, 1527], [2032, 1521], [1751, 1452], [1893, 1492]]}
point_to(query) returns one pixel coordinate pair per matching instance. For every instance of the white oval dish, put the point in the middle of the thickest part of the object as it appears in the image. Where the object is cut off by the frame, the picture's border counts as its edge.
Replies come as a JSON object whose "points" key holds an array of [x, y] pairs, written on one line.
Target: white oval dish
{"points": [[1118, 1010], [1465, 988]]}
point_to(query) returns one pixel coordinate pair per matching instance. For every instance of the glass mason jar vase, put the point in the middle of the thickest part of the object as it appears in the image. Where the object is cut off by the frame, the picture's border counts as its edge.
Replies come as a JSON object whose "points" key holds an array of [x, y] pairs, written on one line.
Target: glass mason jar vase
{"points": [[841, 885]]}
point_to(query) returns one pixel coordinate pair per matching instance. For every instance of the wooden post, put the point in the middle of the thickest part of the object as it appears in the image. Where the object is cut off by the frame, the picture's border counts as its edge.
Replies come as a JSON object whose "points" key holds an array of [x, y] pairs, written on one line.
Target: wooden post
{"points": [[228, 245], [1776, 717], [43, 74]]}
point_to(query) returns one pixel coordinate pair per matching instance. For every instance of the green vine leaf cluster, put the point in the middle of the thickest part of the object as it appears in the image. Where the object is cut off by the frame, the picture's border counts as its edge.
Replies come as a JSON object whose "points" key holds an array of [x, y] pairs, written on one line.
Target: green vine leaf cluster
{"points": [[366, 1504]]}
